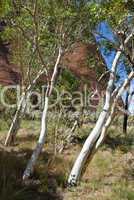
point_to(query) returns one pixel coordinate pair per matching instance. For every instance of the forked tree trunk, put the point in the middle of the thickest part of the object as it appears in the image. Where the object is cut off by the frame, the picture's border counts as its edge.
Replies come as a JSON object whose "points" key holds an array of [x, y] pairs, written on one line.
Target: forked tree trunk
{"points": [[94, 135], [111, 115], [96, 132], [110, 119], [88, 146], [31, 164]]}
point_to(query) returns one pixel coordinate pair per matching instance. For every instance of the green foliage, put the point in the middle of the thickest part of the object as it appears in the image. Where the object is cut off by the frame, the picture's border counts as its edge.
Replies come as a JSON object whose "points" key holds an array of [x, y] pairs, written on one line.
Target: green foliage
{"points": [[51, 23], [48, 23], [5, 7], [68, 81]]}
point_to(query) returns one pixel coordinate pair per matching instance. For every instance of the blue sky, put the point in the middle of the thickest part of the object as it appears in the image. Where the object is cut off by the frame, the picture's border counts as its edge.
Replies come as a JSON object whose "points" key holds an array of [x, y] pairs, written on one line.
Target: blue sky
{"points": [[104, 33]]}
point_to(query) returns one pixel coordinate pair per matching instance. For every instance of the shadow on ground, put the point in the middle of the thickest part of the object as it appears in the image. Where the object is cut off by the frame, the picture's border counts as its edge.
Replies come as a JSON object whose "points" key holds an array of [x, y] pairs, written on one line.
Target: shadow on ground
{"points": [[125, 143], [42, 186]]}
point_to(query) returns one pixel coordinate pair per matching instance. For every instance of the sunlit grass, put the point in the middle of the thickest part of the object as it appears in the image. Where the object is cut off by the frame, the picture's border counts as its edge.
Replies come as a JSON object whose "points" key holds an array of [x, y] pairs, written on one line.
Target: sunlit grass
{"points": [[108, 176]]}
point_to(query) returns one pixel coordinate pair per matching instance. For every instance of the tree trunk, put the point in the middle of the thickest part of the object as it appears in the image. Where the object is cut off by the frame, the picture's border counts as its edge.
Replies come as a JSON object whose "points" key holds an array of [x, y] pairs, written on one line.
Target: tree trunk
{"points": [[10, 139], [125, 114], [39, 146], [111, 116], [96, 132], [15, 123], [30, 166]]}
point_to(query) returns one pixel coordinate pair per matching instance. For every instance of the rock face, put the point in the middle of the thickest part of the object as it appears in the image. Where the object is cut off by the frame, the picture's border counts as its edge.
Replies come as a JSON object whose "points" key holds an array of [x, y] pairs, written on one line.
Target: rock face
{"points": [[75, 60], [9, 74], [78, 60]]}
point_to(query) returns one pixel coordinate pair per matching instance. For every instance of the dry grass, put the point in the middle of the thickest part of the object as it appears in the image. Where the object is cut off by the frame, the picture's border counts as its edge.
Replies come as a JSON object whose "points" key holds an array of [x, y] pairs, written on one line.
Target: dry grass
{"points": [[110, 175]]}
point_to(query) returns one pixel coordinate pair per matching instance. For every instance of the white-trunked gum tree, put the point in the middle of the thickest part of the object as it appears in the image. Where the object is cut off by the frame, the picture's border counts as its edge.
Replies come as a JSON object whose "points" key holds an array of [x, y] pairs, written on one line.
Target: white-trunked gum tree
{"points": [[106, 116], [49, 31], [41, 27], [31, 164], [57, 51]]}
